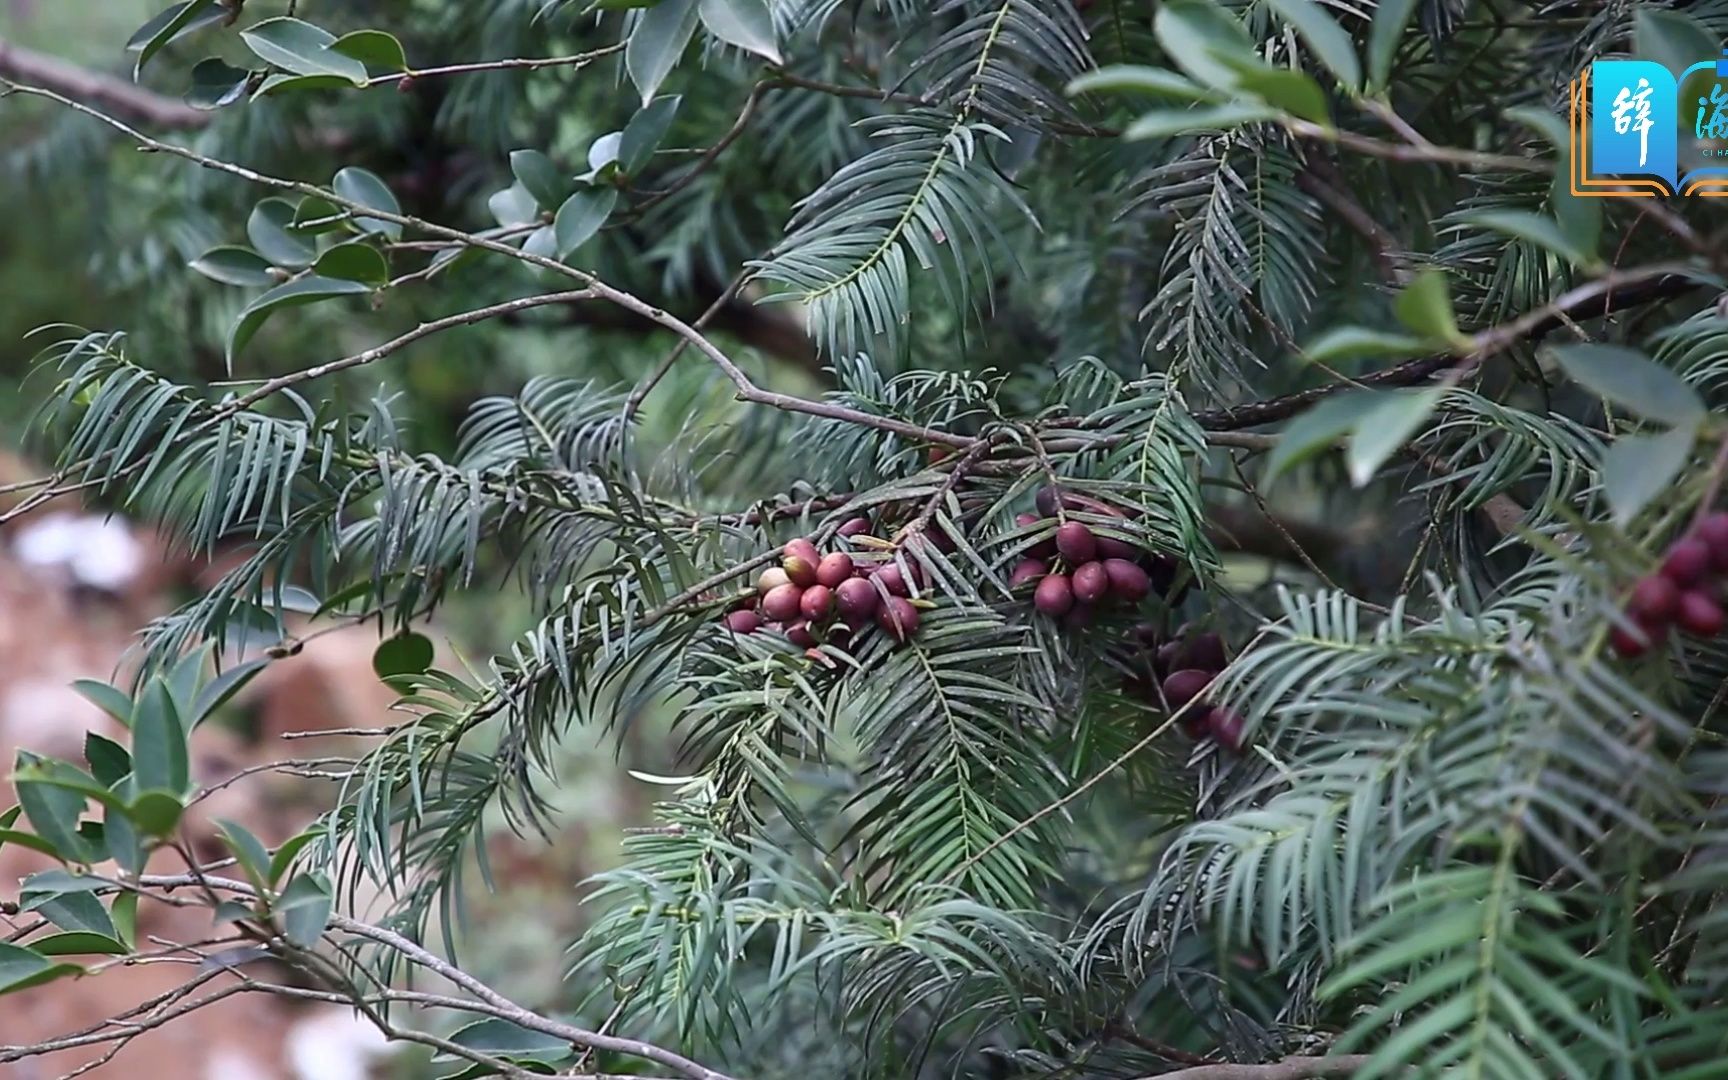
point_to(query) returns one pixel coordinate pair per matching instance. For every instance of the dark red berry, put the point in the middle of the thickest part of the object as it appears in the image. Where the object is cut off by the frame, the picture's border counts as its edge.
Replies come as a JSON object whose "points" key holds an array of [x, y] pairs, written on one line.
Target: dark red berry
{"points": [[743, 622], [1078, 616], [1091, 583], [1047, 499], [1127, 580], [1699, 614], [1654, 599], [854, 527], [892, 579], [1227, 726], [1206, 652], [1075, 542], [817, 603], [1630, 642], [1111, 548], [898, 618], [1181, 687], [1027, 570], [1053, 596], [835, 567], [800, 634], [1713, 530], [1169, 657], [1146, 633], [857, 599], [781, 603], [1687, 562]]}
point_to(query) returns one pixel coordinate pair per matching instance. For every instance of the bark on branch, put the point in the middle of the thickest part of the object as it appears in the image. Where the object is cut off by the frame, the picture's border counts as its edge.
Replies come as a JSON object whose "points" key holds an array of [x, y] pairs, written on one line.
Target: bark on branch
{"points": [[133, 102], [1601, 297]]}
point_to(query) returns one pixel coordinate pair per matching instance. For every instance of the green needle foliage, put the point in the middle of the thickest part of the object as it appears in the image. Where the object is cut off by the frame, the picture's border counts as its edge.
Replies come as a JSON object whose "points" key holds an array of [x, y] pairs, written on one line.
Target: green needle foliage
{"points": [[1312, 272]]}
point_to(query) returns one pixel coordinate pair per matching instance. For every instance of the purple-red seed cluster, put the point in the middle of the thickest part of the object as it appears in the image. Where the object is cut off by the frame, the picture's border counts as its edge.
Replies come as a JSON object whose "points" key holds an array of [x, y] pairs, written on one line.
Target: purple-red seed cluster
{"points": [[1684, 591], [1182, 671], [1077, 569], [813, 597]]}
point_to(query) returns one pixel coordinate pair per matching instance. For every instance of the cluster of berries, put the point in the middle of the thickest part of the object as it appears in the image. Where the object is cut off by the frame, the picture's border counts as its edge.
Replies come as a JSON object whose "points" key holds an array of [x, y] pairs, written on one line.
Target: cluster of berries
{"points": [[1077, 569], [1182, 669], [811, 597], [1683, 592]]}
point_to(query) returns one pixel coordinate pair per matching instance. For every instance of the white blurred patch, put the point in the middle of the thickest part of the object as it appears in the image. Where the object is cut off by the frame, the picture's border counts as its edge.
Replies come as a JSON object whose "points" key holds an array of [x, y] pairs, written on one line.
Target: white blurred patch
{"points": [[230, 1064], [335, 1046], [97, 552]]}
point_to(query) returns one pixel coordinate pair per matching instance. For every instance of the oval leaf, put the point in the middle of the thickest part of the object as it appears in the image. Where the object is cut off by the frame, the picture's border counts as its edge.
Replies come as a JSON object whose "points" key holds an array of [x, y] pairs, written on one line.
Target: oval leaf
{"points": [[581, 217], [1633, 381], [1638, 468], [298, 47], [358, 185], [1322, 34], [744, 23], [307, 290], [234, 266], [404, 654], [374, 48], [356, 261], [268, 229], [657, 42]]}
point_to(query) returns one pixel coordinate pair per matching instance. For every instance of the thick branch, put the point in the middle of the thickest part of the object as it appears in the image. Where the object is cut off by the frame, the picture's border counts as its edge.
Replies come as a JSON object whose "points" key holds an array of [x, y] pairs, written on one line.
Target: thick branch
{"points": [[1615, 292], [133, 102], [1291, 1068]]}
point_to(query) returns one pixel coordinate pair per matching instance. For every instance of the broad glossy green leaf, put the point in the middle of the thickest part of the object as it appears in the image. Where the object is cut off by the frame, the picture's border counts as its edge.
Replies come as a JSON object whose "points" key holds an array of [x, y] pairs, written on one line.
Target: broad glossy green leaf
{"points": [[1545, 123], [354, 261], [1345, 343], [536, 173], [304, 909], [1543, 231], [644, 132], [109, 699], [316, 216], [109, 761], [358, 185], [156, 813], [169, 25], [404, 654], [1162, 123], [374, 48], [53, 811], [1580, 218], [124, 912], [78, 912], [159, 755], [215, 693], [268, 229], [1389, 422], [29, 840], [299, 48], [500, 1038], [1295, 92], [1637, 468], [1390, 19], [1425, 306], [253, 857], [657, 42], [21, 969], [1206, 42], [283, 857], [1632, 381], [1322, 34], [1673, 39], [1317, 430], [1140, 79], [307, 290], [581, 217], [513, 206], [234, 266], [744, 23], [279, 83], [79, 943], [216, 83]]}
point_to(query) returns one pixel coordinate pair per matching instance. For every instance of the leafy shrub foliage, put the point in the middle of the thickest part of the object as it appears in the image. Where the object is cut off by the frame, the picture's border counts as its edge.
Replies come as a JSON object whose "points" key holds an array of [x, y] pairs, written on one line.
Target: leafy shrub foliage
{"points": [[1147, 271]]}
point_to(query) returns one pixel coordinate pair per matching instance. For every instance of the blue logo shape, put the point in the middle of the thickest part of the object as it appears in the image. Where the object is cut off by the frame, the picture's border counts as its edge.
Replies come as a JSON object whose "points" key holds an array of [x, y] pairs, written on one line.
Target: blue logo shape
{"points": [[1633, 119]]}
